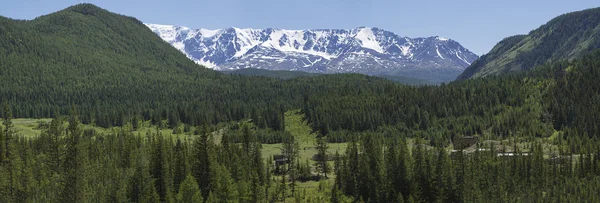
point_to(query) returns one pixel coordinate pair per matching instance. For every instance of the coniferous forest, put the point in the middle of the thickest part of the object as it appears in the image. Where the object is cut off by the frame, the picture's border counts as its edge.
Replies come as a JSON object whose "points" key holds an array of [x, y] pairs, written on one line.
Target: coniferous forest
{"points": [[97, 84]]}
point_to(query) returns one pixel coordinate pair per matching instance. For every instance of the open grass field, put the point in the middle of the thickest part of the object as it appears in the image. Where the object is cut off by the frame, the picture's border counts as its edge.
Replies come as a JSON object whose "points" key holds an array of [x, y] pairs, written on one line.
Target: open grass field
{"points": [[29, 128], [295, 124]]}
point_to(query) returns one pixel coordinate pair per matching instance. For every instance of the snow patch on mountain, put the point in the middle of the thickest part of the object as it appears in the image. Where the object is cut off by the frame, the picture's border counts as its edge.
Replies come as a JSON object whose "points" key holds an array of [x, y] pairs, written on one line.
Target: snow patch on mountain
{"points": [[368, 39], [437, 49], [208, 33]]}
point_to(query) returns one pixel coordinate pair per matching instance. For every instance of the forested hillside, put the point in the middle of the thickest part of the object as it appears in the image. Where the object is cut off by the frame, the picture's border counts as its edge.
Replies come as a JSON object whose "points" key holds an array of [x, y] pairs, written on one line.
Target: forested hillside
{"points": [[563, 38], [113, 68], [83, 68]]}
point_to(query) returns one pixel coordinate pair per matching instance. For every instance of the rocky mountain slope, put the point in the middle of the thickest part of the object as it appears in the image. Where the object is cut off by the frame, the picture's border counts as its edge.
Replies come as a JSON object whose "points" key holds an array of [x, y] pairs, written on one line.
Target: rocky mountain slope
{"points": [[371, 51]]}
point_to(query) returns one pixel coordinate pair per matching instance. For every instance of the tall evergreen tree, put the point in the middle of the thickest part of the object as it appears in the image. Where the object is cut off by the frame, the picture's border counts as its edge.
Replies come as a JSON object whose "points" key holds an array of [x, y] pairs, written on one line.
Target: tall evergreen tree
{"points": [[291, 150], [75, 163], [321, 164], [202, 163], [7, 134], [189, 191], [181, 167]]}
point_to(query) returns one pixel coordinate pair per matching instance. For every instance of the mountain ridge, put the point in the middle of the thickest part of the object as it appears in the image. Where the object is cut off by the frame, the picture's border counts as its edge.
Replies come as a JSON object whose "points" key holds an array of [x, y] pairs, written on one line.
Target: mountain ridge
{"points": [[366, 50], [565, 37]]}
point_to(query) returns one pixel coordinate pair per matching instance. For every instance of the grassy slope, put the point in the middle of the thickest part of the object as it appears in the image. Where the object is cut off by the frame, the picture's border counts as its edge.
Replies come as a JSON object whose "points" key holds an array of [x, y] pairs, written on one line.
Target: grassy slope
{"points": [[565, 37], [295, 124]]}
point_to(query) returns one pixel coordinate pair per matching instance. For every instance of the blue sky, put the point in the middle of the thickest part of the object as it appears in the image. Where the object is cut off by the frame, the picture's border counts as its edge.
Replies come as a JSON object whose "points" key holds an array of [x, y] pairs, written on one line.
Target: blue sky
{"points": [[476, 24]]}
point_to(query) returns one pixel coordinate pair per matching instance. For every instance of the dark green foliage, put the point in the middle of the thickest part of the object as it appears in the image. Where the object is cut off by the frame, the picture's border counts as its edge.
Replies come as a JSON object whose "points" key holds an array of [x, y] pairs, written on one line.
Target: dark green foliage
{"points": [[75, 165], [321, 158], [478, 177], [439, 113], [576, 97], [279, 74], [265, 136], [189, 191], [202, 163], [115, 71], [291, 150], [113, 68], [6, 134], [286, 75]]}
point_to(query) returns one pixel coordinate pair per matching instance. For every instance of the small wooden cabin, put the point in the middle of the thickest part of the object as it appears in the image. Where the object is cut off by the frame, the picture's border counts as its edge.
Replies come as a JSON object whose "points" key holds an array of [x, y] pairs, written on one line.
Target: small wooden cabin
{"points": [[280, 161]]}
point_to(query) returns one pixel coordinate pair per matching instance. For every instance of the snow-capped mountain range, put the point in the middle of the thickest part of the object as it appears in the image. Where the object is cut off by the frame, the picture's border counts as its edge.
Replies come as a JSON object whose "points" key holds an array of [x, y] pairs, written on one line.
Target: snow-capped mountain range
{"points": [[371, 51]]}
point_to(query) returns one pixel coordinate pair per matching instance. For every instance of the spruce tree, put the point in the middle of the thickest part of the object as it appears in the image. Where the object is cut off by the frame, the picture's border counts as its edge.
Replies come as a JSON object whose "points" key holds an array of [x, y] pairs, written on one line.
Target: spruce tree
{"points": [[291, 151], [224, 187], [75, 163], [189, 191], [181, 165], [7, 135], [202, 165], [321, 164]]}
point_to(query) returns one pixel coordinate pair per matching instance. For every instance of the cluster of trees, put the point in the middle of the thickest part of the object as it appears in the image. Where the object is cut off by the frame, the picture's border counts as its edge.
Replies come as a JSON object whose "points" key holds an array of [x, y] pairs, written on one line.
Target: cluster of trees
{"points": [[575, 96], [67, 164], [64, 164], [240, 134], [506, 106], [376, 169]]}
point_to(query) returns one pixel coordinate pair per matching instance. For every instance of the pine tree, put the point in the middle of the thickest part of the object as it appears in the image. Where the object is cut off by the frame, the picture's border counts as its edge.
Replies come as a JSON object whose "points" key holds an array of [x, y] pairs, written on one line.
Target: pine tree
{"points": [[161, 169], [212, 198], [55, 149], [224, 188], [421, 176], [7, 135], [247, 138], [2, 146], [135, 123], [291, 150], [9, 160], [189, 191], [181, 167], [201, 169], [268, 181], [258, 176], [142, 184], [392, 166], [321, 164], [75, 163], [337, 170], [352, 171], [399, 198], [443, 182]]}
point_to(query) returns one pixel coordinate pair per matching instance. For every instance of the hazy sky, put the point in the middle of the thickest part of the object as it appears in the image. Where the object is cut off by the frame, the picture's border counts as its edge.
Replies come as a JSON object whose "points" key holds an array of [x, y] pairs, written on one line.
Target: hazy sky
{"points": [[476, 24]]}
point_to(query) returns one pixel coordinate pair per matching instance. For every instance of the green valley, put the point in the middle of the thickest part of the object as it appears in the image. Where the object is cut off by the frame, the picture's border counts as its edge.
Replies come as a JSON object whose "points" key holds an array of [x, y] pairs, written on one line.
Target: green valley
{"points": [[97, 108]]}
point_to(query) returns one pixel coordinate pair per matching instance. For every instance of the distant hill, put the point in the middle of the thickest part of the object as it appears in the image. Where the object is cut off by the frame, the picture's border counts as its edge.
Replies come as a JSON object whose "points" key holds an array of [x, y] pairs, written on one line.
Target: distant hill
{"points": [[113, 68], [84, 45], [108, 64], [565, 37]]}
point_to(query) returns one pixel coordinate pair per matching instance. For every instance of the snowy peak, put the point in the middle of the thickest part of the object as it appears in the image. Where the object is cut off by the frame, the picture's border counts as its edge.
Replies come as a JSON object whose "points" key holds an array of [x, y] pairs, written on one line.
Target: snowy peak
{"points": [[364, 50], [168, 33], [368, 40]]}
